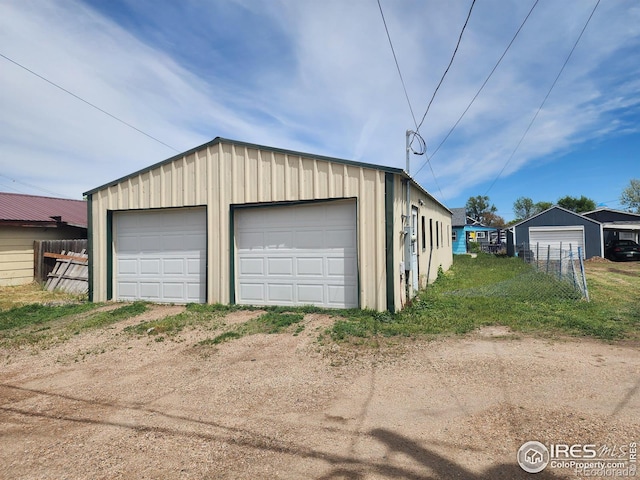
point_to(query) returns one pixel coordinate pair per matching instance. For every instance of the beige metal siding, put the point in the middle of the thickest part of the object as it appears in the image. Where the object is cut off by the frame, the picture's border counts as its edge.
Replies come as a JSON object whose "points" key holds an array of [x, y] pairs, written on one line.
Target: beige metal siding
{"points": [[441, 256], [16, 251], [223, 174]]}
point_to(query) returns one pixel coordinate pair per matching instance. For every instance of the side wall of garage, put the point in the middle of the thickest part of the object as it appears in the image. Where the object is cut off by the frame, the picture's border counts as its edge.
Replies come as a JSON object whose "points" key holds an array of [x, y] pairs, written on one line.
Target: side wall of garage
{"points": [[433, 237], [221, 174]]}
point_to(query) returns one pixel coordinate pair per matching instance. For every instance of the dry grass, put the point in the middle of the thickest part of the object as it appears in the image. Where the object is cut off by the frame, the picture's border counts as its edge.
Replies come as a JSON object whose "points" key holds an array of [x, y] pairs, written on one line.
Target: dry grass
{"points": [[17, 296]]}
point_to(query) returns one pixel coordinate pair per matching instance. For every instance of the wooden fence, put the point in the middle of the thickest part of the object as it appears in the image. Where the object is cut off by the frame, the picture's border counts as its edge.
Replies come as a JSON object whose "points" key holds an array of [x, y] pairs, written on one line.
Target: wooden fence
{"points": [[44, 264]]}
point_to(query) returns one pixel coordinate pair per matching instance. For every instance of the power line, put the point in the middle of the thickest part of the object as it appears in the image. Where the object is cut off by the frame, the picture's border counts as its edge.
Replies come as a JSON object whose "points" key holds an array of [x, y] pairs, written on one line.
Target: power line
{"points": [[88, 103], [398, 66], [480, 89], [453, 56], [30, 186], [545, 97], [448, 66]]}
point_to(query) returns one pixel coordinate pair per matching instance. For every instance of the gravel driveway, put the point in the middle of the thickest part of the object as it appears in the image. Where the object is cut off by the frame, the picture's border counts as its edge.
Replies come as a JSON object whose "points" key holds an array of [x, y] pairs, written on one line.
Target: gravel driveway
{"points": [[111, 405]]}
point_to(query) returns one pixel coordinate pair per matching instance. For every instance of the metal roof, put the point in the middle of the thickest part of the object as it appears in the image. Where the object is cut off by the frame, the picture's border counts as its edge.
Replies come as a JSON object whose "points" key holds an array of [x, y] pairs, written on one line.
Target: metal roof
{"points": [[220, 140], [17, 207]]}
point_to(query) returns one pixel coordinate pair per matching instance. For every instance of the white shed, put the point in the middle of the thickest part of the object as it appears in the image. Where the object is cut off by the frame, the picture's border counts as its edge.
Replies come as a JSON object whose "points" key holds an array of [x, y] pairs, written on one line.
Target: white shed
{"points": [[232, 222]]}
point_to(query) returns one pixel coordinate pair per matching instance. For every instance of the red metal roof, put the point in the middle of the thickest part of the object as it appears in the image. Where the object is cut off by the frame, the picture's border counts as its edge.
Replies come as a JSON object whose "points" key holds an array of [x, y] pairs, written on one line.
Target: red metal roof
{"points": [[17, 207]]}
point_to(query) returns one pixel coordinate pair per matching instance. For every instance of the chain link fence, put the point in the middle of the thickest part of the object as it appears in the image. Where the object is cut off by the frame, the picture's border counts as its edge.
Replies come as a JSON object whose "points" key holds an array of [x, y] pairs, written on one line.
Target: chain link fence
{"points": [[554, 274], [563, 263]]}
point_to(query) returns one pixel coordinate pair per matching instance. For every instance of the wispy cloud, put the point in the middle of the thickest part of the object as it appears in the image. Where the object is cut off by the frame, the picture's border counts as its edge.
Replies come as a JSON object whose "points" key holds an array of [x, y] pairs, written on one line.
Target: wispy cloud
{"points": [[312, 76]]}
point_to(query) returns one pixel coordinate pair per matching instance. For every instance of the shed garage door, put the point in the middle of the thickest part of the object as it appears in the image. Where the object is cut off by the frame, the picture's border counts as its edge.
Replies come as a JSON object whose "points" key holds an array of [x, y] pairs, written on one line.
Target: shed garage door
{"points": [[541, 238], [297, 255], [160, 255]]}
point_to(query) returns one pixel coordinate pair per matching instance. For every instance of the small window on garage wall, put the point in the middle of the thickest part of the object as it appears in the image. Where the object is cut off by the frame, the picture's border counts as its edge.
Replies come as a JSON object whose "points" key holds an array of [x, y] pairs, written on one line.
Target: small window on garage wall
{"points": [[437, 234], [424, 234], [448, 235], [431, 232]]}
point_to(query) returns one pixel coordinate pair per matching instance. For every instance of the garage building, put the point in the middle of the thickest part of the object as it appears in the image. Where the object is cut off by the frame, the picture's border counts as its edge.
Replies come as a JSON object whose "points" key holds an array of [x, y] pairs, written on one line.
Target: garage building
{"points": [[232, 222], [557, 227]]}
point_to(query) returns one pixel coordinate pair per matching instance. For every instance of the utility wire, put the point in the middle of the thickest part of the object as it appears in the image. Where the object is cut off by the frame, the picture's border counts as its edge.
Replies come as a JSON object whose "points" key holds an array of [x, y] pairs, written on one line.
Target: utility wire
{"points": [[545, 98], [30, 186], [453, 56], [398, 66], [448, 66], [480, 90], [88, 103]]}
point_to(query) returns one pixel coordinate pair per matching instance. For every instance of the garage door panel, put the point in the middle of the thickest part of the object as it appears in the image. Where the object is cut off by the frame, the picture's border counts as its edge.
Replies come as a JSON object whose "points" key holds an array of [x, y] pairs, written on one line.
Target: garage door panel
{"points": [[252, 292], [195, 291], [341, 267], [150, 266], [280, 266], [309, 240], [281, 293], [311, 294], [128, 290], [251, 241], [251, 266], [128, 244], [127, 266], [161, 255], [342, 238], [196, 266], [309, 254], [150, 290], [173, 266], [150, 243], [278, 240], [310, 266], [340, 295], [175, 291]]}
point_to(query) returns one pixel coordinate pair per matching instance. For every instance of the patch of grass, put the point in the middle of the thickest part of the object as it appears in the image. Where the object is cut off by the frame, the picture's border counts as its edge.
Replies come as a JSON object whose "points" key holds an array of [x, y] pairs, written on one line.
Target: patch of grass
{"points": [[224, 337], [195, 314], [42, 324], [102, 319], [36, 314], [276, 320], [492, 290]]}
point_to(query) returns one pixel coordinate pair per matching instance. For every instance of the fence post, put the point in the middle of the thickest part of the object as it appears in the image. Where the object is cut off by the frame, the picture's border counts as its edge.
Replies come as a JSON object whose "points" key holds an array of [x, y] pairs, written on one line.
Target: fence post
{"points": [[537, 256], [573, 269], [584, 277], [548, 256]]}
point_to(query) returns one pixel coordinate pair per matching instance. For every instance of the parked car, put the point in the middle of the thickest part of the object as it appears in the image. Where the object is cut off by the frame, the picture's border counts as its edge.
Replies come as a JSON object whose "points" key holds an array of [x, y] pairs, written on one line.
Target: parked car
{"points": [[622, 250]]}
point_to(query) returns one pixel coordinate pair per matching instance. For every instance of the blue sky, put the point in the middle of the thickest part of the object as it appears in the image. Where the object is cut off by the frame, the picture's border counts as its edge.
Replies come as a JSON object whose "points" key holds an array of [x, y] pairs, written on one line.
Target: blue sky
{"points": [[319, 77]]}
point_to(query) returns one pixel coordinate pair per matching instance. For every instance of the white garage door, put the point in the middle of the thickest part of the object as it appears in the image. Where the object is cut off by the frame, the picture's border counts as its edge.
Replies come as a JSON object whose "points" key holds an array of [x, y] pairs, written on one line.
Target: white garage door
{"points": [[556, 237], [297, 255], [160, 255]]}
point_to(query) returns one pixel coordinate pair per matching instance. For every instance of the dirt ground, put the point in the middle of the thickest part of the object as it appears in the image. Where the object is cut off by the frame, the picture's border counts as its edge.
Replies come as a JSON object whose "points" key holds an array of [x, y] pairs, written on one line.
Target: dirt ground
{"points": [[112, 405]]}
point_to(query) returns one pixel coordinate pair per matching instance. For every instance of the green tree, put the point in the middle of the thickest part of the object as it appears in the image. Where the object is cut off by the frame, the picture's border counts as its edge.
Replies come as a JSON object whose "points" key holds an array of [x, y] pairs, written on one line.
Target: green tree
{"points": [[542, 206], [578, 205], [524, 208], [631, 196], [478, 207]]}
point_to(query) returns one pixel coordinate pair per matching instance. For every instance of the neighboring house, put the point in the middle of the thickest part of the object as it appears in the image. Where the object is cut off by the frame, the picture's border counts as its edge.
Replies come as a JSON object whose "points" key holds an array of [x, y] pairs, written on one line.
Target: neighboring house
{"points": [[556, 228], [26, 218], [465, 229], [616, 224], [231, 222]]}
